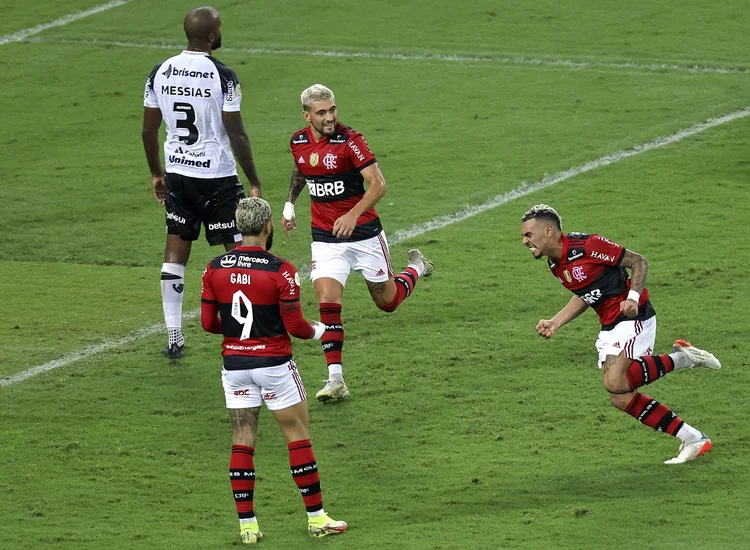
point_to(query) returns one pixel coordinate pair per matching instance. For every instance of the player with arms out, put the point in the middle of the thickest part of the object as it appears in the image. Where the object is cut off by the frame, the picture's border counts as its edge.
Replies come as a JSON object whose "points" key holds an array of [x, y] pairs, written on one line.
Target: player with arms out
{"points": [[334, 161], [594, 269], [198, 97], [253, 298]]}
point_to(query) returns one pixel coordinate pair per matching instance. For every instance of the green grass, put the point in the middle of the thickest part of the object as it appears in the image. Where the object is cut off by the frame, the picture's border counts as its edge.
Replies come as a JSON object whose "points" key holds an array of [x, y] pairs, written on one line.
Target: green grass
{"points": [[464, 430]]}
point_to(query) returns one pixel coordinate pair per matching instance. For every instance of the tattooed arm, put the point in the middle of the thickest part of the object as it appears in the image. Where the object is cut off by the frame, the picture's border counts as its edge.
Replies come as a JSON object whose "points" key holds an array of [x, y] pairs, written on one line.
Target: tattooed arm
{"points": [[296, 184], [638, 266]]}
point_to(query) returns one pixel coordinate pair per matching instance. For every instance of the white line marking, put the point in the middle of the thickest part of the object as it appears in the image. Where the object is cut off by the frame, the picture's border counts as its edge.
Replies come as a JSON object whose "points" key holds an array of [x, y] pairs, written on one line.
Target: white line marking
{"points": [[90, 351], [421, 228], [64, 20], [524, 189], [500, 60]]}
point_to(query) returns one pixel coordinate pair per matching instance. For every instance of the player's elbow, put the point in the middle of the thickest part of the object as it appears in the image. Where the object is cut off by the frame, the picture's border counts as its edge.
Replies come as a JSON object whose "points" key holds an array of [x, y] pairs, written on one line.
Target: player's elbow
{"points": [[149, 136], [382, 188], [211, 325]]}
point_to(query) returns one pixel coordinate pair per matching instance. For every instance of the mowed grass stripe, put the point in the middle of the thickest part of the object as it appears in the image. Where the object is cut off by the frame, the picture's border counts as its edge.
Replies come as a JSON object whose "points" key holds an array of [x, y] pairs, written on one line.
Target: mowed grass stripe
{"points": [[449, 58], [64, 20], [419, 229]]}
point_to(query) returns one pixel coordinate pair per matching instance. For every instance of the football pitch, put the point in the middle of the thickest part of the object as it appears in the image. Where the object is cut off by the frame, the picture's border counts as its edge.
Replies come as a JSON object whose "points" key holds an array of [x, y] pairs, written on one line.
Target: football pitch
{"points": [[464, 428]]}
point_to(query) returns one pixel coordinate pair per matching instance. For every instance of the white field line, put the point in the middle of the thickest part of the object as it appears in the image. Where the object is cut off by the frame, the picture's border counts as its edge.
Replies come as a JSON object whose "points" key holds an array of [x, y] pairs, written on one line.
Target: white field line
{"points": [[500, 60], [420, 229], [64, 20]]}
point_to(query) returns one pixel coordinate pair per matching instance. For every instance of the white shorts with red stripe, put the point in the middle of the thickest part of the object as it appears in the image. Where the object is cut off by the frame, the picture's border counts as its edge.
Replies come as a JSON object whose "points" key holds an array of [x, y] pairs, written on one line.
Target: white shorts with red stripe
{"points": [[370, 258], [278, 387], [633, 338]]}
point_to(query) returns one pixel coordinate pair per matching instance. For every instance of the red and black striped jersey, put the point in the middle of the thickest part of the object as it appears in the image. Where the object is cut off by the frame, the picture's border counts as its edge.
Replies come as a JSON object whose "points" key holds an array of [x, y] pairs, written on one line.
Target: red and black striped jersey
{"points": [[331, 168], [257, 296], [590, 268]]}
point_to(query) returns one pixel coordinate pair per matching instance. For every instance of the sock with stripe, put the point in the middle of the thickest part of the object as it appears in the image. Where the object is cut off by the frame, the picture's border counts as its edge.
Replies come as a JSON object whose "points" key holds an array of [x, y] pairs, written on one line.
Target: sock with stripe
{"points": [[305, 473], [654, 415], [405, 283], [333, 338], [172, 287], [649, 368], [242, 479]]}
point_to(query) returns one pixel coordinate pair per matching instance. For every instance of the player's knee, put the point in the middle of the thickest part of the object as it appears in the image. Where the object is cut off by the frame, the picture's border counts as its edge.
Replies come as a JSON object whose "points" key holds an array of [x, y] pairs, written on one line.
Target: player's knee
{"points": [[388, 307], [615, 382], [620, 400]]}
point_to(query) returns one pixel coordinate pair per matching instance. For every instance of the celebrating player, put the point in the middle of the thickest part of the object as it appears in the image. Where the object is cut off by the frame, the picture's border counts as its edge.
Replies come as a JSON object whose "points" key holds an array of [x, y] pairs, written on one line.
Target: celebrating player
{"points": [[335, 161], [594, 269], [257, 296], [199, 99]]}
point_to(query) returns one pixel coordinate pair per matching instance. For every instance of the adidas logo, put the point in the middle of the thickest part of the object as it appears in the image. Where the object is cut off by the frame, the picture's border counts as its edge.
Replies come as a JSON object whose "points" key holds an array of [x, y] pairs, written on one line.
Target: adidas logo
{"points": [[380, 272], [300, 160]]}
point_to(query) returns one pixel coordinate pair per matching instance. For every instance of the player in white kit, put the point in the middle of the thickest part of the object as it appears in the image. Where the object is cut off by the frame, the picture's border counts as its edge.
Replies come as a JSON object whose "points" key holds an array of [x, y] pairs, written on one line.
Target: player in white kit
{"points": [[198, 97]]}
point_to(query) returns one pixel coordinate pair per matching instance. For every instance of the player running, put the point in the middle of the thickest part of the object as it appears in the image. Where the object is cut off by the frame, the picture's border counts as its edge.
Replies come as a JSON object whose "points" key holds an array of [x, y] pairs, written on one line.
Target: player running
{"points": [[334, 161], [199, 99], [594, 269], [257, 298]]}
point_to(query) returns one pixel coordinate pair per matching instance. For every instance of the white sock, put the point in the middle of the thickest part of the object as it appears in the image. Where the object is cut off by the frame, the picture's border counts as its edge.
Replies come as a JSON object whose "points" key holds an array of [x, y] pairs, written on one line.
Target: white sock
{"points": [[688, 434], [419, 268], [172, 287], [248, 520], [335, 371], [317, 513], [681, 360]]}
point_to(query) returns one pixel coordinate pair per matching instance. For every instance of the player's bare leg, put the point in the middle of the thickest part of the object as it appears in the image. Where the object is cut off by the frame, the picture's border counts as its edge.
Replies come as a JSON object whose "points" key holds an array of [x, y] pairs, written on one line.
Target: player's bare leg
{"points": [[330, 294], [176, 256], [242, 470], [622, 376], [388, 295], [293, 422]]}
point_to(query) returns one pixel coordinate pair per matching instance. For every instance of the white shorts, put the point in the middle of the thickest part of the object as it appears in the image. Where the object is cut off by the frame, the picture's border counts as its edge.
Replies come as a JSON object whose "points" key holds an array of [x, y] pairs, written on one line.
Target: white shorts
{"points": [[370, 258], [278, 387], [635, 338]]}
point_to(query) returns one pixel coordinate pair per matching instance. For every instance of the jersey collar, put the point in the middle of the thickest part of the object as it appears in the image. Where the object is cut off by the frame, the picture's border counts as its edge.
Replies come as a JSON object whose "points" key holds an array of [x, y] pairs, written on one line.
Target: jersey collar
{"points": [[191, 52], [564, 253]]}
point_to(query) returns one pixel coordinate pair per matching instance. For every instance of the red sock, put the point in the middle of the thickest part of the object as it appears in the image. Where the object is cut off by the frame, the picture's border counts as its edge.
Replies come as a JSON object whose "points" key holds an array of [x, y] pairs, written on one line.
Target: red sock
{"points": [[647, 369], [242, 479], [333, 338], [405, 283], [305, 474], [653, 414]]}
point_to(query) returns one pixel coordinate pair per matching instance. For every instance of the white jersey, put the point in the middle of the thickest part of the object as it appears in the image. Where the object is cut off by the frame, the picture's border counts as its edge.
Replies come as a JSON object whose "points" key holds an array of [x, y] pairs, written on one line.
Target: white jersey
{"points": [[192, 90]]}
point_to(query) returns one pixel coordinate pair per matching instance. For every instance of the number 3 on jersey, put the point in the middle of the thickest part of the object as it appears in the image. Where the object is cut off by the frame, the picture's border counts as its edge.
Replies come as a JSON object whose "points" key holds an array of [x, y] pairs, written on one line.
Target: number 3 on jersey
{"points": [[187, 123], [238, 300]]}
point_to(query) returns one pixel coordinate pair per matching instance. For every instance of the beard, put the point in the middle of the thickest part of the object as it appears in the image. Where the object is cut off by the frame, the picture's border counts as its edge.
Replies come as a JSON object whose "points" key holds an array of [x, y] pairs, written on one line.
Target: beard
{"points": [[217, 44], [269, 241]]}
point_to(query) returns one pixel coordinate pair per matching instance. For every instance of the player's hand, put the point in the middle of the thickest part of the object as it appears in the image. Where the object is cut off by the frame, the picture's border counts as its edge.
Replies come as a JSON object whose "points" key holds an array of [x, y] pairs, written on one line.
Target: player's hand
{"points": [[158, 188], [254, 191], [344, 226], [288, 225], [319, 329], [546, 328], [629, 308]]}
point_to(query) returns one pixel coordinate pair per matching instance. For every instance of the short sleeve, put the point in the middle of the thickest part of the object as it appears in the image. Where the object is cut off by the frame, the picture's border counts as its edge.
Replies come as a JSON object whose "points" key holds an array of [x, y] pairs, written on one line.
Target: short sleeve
{"points": [[603, 251], [149, 95], [358, 152], [232, 93], [288, 283]]}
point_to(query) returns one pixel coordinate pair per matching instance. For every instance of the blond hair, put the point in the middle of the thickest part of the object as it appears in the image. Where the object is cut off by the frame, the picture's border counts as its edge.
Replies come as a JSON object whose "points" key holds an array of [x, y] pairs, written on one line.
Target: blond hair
{"points": [[543, 211], [252, 215], [316, 92]]}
